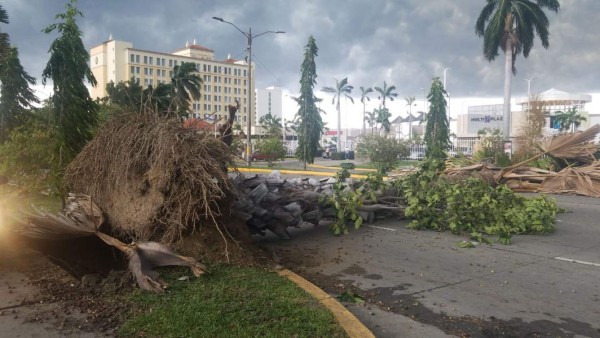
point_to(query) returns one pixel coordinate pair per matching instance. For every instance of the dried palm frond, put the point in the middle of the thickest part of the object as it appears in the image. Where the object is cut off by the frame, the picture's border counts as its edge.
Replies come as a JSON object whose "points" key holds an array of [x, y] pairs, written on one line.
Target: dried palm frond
{"points": [[570, 146], [575, 180], [82, 218]]}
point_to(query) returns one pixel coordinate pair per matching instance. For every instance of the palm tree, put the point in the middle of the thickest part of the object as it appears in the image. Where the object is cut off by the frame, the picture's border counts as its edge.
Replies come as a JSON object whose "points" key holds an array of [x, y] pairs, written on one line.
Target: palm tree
{"points": [[185, 86], [386, 92], [363, 95], [371, 119], [342, 88], [272, 124], [512, 26], [409, 102], [571, 119]]}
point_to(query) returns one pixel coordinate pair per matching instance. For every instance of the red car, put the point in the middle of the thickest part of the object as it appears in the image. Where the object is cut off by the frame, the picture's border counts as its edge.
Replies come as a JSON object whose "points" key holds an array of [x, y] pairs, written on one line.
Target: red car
{"points": [[257, 156]]}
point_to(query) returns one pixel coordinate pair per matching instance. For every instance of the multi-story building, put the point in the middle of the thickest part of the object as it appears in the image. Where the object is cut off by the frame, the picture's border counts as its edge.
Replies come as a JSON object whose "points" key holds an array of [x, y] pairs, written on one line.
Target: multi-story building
{"points": [[222, 81]]}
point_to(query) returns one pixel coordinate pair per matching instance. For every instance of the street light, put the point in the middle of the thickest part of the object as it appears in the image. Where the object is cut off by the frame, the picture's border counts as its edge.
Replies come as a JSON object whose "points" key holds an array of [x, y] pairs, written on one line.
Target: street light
{"points": [[249, 37]]}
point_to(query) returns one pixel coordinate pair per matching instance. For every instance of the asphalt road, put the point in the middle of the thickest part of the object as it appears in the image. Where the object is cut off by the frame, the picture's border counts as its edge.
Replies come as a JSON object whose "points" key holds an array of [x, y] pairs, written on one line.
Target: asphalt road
{"points": [[421, 284]]}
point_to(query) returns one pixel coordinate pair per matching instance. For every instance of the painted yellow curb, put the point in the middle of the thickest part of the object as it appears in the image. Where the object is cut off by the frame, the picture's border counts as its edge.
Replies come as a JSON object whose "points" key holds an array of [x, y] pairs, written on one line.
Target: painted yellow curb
{"points": [[353, 327], [292, 172], [338, 168]]}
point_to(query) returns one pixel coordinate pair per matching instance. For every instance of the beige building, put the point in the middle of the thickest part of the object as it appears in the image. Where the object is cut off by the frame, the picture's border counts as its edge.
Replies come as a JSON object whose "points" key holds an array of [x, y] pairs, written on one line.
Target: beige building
{"points": [[223, 81]]}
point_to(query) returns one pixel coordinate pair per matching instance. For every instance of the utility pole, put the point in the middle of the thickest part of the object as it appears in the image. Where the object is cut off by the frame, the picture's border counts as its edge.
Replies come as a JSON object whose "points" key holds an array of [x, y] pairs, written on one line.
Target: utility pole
{"points": [[249, 104]]}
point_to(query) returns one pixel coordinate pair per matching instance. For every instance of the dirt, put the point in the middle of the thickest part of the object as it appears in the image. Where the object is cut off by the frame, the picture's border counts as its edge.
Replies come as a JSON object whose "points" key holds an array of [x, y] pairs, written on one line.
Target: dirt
{"points": [[80, 287]]}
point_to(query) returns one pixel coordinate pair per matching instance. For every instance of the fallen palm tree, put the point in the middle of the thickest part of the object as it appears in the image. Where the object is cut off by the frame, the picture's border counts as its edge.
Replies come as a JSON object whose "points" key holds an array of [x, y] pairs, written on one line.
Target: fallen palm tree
{"points": [[154, 179], [82, 218]]}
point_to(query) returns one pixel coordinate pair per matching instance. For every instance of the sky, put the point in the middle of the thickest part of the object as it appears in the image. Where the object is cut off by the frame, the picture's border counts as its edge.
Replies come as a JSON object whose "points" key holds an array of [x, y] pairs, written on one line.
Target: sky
{"points": [[403, 42]]}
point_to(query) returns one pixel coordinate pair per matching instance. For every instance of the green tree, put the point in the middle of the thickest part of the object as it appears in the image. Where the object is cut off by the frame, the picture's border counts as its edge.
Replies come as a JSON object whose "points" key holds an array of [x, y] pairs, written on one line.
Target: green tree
{"points": [[185, 86], [273, 149], [437, 131], [75, 114], [4, 44], [364, 95], [311, 125], [386, 92], [371, 119], [17, 97], [383, 118], [511, 25], [569, 120], [342, 88], [383, 152], [272, 124], [125, 95]]}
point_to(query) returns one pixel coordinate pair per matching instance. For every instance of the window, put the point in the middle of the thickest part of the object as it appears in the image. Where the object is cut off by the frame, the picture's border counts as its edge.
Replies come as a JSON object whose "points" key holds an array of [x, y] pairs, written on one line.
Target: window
{"points": [[132, 58], [164, 72], [163, 62], [145, 59], [175, 63], [132, 70], [170, 73], [137, 59], [137, 69], [170, 63], [158, 61], [208, 68], [151, 71], [245, 73], [145, 71], [150, 60]]}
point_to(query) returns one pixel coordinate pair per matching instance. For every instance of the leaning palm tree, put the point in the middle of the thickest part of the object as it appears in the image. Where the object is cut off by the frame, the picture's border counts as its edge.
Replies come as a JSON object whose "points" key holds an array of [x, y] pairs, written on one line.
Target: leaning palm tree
{"points": [[4, 45], [364, 95], [342, 88], [386, 92], [570, 119], [185, 86], [512, 25]]}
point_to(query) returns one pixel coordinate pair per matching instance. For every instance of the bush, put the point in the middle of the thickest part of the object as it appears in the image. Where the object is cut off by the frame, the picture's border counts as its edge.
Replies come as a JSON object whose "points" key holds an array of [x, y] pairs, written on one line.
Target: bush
{"points": [[338, 156], [273, 148], [28, 159], [382, 151]]}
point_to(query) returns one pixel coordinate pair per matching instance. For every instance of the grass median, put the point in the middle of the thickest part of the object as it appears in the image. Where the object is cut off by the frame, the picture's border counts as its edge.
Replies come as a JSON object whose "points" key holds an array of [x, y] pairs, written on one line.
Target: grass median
{"points": [[229, 302]]}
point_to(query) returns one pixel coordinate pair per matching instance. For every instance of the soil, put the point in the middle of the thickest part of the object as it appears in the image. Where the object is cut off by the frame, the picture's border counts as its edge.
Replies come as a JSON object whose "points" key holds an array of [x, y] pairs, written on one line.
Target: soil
{"points": [[86, 296]]}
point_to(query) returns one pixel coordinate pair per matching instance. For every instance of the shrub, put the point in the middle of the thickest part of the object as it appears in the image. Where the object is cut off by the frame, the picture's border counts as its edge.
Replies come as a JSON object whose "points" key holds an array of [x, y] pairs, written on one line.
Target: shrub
{"points": [[273, 149], [28, 159], [382, 151]]}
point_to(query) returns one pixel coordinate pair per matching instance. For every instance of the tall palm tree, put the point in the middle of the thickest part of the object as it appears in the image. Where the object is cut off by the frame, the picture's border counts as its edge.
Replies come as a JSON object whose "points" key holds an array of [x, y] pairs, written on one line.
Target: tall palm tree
{"points": [[364, 95], [4, 45], [342, 88], [512, 25], [185, 86], [386, 92], [570, 119], [409, 102]]}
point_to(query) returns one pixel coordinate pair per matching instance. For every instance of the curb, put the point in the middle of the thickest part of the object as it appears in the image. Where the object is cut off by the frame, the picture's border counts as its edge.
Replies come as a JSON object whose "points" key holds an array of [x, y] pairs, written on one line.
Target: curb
{"points": [[353, 327], [292, 172]]}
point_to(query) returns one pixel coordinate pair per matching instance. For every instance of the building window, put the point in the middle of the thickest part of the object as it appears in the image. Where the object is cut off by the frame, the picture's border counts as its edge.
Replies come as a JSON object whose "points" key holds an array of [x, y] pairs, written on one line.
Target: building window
{"points": [[164, 72], [170, 73], [175, 63], [163, 62], [170, 63], [151, 71], [150, 60], [137, 59], [137, 69], [145, 71], [131, 58], [132, 69], [145, 59]]}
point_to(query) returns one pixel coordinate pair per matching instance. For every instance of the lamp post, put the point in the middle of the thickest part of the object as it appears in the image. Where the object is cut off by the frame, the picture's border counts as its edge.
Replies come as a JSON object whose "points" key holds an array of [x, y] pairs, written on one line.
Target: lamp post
{"points": [[529, 91], [249, 36]]}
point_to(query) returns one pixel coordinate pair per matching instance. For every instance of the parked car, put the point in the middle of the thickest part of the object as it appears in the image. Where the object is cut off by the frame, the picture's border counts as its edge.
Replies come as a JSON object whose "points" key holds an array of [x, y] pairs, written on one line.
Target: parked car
{"points": [[329, 150], [258, 156]]}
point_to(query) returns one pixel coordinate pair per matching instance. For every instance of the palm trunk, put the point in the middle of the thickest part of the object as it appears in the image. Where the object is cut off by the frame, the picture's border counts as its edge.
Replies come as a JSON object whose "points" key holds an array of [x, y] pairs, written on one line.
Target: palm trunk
{"points": [[507, 86], [364, 121], [339, 127]]}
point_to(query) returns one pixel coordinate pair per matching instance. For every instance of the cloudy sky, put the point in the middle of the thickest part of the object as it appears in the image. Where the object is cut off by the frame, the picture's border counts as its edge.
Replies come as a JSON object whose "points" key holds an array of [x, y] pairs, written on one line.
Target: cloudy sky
{"points": [[404, 42]]}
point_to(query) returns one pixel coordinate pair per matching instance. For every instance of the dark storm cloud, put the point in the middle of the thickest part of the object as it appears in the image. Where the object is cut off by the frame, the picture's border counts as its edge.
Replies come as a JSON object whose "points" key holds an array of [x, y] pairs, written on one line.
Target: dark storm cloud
{"points": [[403, 42]]}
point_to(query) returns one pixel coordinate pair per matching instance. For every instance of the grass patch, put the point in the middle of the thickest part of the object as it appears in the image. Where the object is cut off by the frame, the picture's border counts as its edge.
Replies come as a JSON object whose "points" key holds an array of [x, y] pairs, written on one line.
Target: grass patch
{"points": [[230, 302]]}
